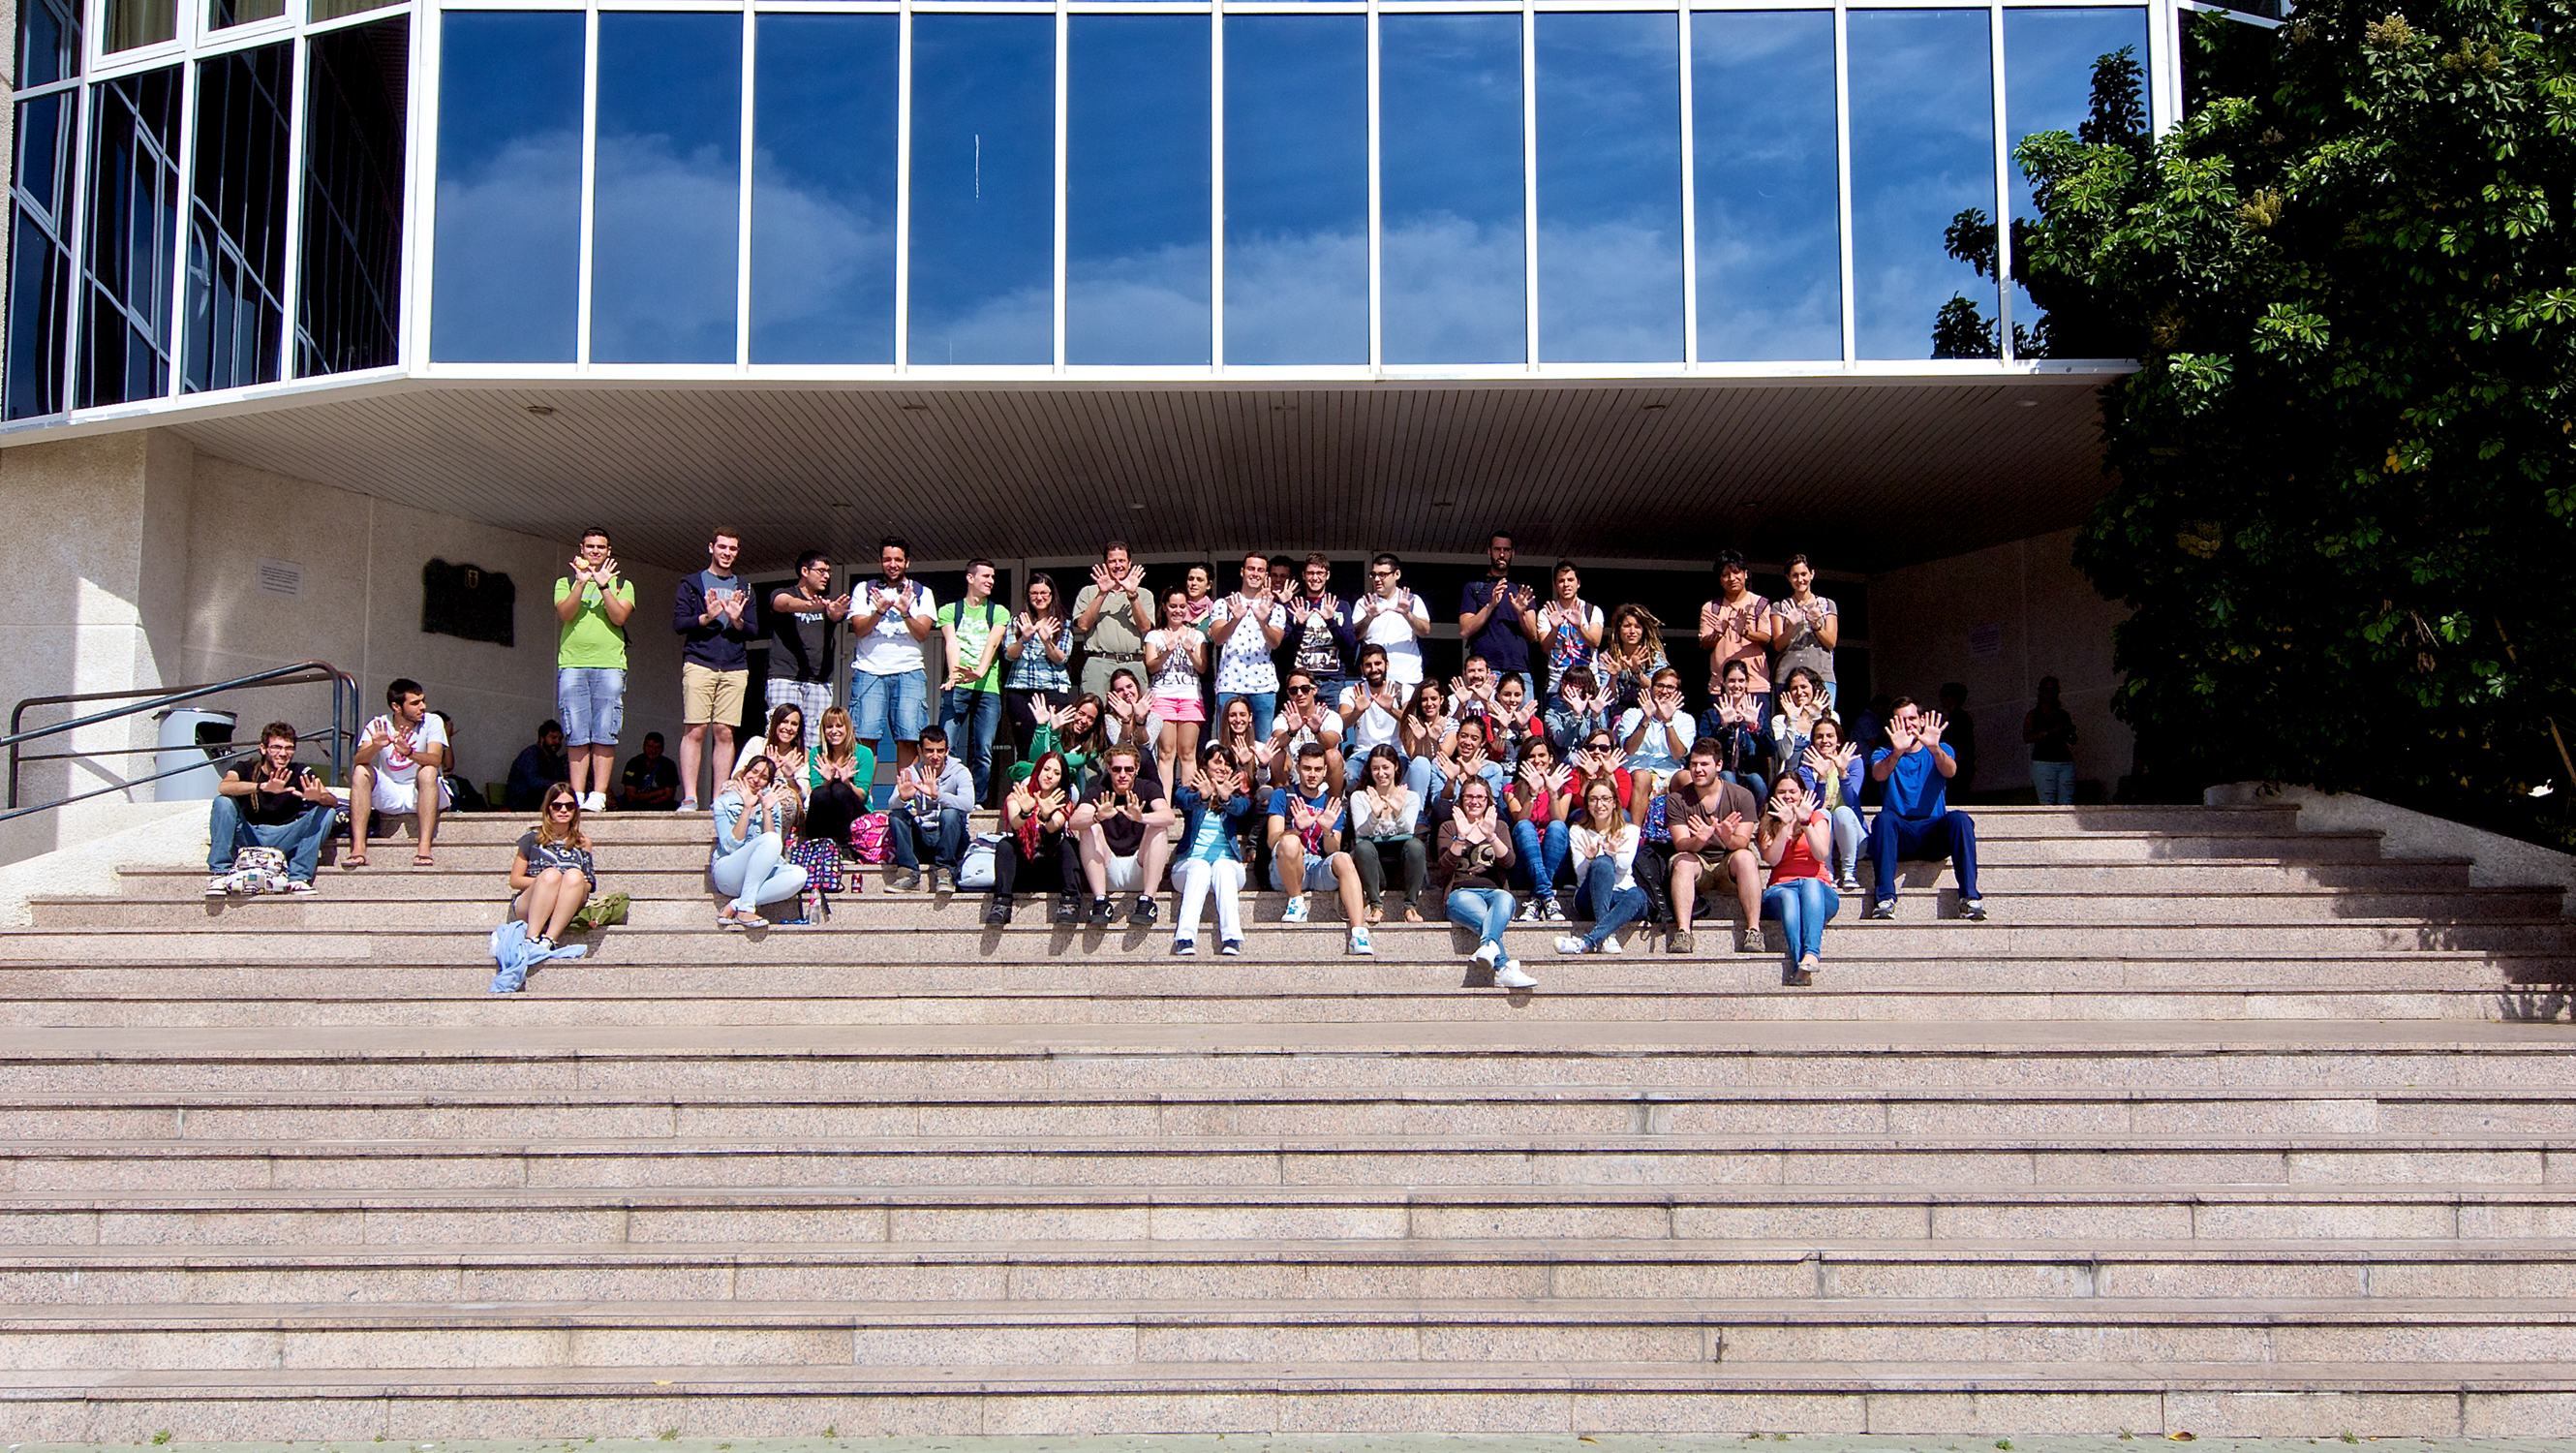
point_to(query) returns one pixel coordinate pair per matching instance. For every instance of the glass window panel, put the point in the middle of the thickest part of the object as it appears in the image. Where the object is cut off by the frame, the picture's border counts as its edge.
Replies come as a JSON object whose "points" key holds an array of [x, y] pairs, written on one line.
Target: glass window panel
{"points": [[507, 272], [237, 223], [48, 42], [349, 314], [983, 189], [2051, 57], [822, 190], [667, 204], [40, 256], [1609, 188], [132, 240], [1137, 190], [1449, 153], [1296, 189], [1766, 186], [223, 13], [1923, 151], [317, 11], [132, 23]]}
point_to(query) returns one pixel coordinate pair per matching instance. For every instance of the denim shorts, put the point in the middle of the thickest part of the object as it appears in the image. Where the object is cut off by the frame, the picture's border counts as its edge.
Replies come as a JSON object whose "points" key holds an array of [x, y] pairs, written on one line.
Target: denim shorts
{"points": [[895, 706], [591, 700]]}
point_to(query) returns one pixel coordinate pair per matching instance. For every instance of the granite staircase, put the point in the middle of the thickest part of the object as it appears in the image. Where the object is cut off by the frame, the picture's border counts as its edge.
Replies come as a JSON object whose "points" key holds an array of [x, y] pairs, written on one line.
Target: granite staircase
{"points": [[2216, 1126]]}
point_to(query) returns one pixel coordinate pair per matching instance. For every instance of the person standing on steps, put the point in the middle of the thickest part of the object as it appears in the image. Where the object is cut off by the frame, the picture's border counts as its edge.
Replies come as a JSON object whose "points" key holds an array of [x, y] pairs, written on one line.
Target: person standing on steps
{"points": [[402, 769], [551, 873], [1568, 627], [712, 612], [1036, 682], [1320, 641], [805, 640], [270, 801], [1176, 659], [1393, 619], [1915, 822], [2051, 734], [889, 698], [1809, 627], [1245, 628], [1738, 625], [591, 607], [1492, 614], [970, 641], [1112, 615]]}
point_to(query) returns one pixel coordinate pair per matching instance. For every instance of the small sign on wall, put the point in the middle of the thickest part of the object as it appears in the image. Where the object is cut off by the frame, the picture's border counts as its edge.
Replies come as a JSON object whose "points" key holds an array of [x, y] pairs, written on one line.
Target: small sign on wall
{"points": [[1986, 641], [281, 577]]}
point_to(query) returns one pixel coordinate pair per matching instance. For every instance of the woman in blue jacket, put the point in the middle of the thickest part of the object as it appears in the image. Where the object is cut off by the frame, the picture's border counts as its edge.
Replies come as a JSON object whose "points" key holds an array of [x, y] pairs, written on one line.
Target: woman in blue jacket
{"points": [[1213, 803]]}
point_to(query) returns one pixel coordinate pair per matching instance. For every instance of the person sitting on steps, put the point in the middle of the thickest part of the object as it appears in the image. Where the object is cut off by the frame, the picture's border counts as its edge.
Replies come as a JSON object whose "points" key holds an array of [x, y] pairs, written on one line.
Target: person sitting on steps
{"points": [[551, 873], [270, 801], [1914, 820], [402, 763]]}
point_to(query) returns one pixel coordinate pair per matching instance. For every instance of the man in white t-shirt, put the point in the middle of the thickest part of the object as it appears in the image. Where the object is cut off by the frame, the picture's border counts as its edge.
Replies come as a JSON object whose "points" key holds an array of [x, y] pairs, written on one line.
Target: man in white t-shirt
{"points": [[1393, 619], [893, 615], [402, 770]]}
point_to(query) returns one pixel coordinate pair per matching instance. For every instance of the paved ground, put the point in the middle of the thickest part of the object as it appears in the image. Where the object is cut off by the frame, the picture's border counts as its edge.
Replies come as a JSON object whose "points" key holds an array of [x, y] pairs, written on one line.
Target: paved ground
{"points": [[1355, 1443]]}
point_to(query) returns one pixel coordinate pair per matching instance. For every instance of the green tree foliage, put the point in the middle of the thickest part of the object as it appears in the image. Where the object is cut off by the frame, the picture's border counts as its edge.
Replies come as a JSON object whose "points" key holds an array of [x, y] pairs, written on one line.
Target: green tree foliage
{"points": [[2344, 475]]}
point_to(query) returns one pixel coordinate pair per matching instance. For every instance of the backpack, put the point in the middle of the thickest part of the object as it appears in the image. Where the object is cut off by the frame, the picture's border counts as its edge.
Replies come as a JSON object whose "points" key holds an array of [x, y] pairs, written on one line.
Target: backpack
{"points": [[868, 837], [257, 870]]}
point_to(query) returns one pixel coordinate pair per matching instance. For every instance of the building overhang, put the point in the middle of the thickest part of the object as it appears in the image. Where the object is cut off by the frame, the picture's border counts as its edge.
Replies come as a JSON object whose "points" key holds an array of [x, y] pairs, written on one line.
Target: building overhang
{"points": [[1864, 471]]}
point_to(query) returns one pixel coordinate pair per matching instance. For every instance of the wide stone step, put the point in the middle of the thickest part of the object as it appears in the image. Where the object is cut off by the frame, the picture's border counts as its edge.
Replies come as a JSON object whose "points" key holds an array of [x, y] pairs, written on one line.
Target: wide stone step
{"points": [[1569, 1399], [476, 882], [967, 1333], [1113, 1272], [953, 934], [607, 1164], [322, 1116], [1356, 1214]]}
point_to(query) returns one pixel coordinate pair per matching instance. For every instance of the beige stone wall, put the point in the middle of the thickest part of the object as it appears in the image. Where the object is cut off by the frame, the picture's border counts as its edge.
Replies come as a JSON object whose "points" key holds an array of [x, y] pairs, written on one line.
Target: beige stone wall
{"points": [[1997, 620], [142, 571]]}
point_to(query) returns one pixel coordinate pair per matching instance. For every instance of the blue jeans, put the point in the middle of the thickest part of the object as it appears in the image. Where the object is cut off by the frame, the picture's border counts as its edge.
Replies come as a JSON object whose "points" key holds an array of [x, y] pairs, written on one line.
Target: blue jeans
{"points": [[592, 702], [1541, 850], [1612, 908], [946, 837], [891, 708], [757, 872], [1486, 910], [2054, 782], [1952, 835], [301, 840], [1265, 705], [1802, 905], [970, 718]]}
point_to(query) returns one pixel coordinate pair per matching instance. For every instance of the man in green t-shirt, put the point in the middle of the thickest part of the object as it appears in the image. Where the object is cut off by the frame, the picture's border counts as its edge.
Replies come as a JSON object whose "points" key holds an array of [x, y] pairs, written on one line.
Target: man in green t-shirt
{"points": [[970, 708], [591, 606]]}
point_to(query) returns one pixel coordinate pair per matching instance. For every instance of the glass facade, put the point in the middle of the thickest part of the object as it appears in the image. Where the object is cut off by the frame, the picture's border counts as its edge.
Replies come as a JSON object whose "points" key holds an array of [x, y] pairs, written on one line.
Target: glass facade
{"points": [[217, 194]]}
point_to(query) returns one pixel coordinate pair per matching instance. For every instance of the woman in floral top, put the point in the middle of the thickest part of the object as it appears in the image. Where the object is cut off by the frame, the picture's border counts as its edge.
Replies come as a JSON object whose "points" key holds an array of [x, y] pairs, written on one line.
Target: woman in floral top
{"points": [[1035, 647]]}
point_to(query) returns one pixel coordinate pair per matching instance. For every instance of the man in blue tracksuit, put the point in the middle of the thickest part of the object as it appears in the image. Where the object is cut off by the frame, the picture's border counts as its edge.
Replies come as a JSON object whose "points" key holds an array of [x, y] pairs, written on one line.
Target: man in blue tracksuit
{"points": [[1915, 821]]}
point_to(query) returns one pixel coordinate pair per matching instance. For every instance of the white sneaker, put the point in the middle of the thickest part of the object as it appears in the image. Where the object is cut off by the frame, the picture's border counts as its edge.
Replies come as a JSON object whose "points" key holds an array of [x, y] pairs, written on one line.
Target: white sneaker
{"points": [[1571, 943], [1610, 945], [1528, 913], [219, 886], [1486, 953], [1551, 910], [594, 802], [1509, 975], [1296, 911], [1360, 942]]}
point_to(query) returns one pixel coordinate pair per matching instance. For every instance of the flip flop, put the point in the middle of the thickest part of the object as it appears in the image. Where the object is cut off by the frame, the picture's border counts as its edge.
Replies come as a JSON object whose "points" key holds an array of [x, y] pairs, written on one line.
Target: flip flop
{"points": [[423, 860], [352, 861]]}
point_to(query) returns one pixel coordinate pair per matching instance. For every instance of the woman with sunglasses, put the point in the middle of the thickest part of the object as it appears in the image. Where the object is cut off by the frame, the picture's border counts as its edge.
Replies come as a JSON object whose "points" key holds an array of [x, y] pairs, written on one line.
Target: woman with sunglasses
{"points": [[551, 874]]}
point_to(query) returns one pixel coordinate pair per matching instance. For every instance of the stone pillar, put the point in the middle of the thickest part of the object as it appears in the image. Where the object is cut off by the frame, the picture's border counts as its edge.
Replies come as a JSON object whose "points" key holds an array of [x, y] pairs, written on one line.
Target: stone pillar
{"points": [[97, 603]]}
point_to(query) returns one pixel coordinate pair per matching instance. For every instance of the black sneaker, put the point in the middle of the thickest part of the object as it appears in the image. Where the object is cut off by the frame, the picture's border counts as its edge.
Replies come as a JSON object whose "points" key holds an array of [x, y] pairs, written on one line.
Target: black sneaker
{"points": [[1068, 909], [1973, 909], [1145, 912], [1101, 911], [997, 911]]}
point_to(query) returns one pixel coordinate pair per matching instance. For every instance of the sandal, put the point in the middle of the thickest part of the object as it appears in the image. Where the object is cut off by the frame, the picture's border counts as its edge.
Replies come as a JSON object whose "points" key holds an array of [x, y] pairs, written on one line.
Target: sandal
{"points": [[422, 860], [350, 862]]}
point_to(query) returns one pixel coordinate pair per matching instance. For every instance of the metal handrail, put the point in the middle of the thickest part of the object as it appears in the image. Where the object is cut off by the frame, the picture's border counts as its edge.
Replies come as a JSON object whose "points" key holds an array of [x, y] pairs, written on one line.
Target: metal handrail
{"points": [[344, 714]]}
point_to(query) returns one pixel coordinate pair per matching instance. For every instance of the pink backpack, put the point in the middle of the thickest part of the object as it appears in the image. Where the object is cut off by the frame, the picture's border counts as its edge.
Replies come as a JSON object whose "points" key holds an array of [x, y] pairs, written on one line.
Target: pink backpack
{"points": [[868, 837]]}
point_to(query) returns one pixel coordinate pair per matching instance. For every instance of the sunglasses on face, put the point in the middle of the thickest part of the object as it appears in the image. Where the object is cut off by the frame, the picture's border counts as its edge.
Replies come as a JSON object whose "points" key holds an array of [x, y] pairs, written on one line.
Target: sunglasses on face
{"points": [[558, 807], [1301, 691]]}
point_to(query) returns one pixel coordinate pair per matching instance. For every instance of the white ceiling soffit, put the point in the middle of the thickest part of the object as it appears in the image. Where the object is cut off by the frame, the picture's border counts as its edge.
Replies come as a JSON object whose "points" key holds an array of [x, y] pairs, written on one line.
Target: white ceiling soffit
{"points": [[1862, 475]]}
